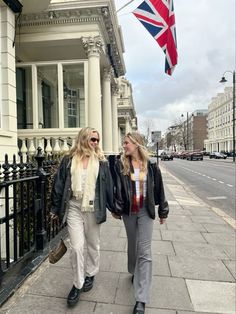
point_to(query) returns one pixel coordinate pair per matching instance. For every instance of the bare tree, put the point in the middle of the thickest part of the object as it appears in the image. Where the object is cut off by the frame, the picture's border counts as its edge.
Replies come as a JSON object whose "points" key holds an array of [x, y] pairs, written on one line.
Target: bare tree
{"points": [[177, 134], [146, 127]]}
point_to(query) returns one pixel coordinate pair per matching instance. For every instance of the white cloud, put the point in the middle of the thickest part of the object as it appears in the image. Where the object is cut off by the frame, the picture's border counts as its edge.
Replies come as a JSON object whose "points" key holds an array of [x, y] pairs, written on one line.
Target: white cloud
{"points": [[206, 48]]}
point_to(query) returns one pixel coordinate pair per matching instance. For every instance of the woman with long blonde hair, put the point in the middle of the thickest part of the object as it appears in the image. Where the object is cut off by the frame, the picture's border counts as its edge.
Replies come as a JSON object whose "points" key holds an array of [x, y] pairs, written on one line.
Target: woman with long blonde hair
{"points": [[139, 188], [82, 191]]}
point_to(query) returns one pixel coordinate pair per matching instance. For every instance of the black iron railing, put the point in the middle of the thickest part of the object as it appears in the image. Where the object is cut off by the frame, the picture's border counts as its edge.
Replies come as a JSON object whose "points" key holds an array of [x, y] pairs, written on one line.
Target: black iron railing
{"points": [[25, 189]]}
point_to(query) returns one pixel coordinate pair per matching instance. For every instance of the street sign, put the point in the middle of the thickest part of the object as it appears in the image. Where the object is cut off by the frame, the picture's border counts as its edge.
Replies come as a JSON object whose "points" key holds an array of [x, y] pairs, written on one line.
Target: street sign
{"points": [[155, 136]]}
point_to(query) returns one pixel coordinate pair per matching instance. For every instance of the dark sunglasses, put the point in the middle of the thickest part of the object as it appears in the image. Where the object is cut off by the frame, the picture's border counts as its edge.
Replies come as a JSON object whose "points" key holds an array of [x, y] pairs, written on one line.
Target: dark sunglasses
{"points": [[94, 139]]}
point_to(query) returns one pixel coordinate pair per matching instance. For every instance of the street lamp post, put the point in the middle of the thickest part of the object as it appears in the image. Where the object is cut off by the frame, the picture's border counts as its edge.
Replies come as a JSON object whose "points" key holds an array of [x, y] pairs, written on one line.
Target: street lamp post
{"points": [[223, 80]]}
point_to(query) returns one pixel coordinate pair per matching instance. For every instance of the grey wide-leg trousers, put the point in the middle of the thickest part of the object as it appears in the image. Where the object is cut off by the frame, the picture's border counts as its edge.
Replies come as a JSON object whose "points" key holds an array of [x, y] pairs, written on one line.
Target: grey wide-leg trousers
{"points": [[139, 229]]}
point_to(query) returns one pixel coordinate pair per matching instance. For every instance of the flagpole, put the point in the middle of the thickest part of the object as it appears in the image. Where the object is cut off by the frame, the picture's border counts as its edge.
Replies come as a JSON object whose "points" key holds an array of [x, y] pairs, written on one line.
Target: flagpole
{"points": [[124, 6]]}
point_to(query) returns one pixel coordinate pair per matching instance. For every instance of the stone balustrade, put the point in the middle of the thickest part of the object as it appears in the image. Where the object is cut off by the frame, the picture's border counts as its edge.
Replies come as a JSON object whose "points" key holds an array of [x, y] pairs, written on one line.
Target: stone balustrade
{"points": [[49, 141]]}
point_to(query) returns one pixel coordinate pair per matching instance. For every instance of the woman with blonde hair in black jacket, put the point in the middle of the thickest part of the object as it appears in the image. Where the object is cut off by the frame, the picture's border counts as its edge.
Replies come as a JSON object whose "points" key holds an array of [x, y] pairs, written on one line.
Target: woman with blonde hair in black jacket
{"points": [[82, 191], [139, 187]]}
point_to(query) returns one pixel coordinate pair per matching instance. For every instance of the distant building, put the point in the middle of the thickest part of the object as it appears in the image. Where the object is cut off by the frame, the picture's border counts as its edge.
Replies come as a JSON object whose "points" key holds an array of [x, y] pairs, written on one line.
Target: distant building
{"points": [[197, 129], [189, 134], [220, 122]]}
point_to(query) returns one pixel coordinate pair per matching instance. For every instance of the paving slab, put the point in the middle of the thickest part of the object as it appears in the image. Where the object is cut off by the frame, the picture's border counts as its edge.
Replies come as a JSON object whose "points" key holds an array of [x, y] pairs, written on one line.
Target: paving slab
{"points": [[102, 308], [107, 230], [199, 268], [182, 236], [104, 289], [50, 282], [218, 228], [229, 250], [113, 261], [184, 312], [124, 293], [209, 296], [231, 266], [156, 234], [34, 304], [179, 218], [210, 220], [203, 212], [220, 238], [162, 247], [170, 293], [160, 265], [184, 226], [113, 244], [179, 211], [199, 250]]}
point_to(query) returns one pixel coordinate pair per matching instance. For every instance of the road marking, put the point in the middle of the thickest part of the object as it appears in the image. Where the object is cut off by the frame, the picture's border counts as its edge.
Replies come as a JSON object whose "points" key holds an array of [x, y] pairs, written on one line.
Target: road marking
{"points": [[216, 197], [204, 175]]}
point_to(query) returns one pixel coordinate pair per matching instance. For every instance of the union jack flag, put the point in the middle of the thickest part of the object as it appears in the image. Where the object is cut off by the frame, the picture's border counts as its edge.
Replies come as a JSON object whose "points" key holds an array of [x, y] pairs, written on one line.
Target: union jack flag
{"points": [[158, 17]]}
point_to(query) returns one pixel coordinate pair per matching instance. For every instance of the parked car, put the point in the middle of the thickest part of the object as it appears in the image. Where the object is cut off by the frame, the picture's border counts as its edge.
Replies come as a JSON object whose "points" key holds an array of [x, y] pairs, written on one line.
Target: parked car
{"points": [[195, 155], [166, 156], [183, 154], [217, 155]]}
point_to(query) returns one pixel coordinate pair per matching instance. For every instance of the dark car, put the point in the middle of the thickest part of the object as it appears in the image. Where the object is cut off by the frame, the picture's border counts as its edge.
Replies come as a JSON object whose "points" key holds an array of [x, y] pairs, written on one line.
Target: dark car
{"points": [[197, 155], [166, 156], [217, 155]]}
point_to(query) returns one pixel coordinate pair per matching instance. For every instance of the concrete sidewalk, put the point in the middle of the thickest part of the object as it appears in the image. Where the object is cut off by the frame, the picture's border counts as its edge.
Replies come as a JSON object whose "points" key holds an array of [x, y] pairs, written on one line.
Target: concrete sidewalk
{"points": [[193, 267]]}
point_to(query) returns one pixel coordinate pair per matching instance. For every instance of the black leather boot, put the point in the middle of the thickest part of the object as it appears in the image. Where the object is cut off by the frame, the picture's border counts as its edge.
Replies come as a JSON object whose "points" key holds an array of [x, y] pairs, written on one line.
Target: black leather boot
{"points": [[139, 308], [73, 296], [88, 283]]}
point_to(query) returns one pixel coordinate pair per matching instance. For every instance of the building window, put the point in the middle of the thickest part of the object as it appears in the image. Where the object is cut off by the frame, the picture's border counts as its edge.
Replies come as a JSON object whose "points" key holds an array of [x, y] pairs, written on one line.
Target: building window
{"points": [[47, 96], [74, 100], [24, 98]]}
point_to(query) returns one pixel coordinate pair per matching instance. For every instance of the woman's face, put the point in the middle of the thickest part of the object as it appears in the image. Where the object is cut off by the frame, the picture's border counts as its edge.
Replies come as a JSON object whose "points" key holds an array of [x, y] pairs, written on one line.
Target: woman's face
{"points": [[94, 140], [129, 147]]}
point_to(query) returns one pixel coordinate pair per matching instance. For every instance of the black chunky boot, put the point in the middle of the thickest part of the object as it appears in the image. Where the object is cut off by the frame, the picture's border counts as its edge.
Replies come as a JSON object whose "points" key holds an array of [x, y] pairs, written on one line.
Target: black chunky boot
{"points": [[139, 308], [88, 283], [73, 296]]}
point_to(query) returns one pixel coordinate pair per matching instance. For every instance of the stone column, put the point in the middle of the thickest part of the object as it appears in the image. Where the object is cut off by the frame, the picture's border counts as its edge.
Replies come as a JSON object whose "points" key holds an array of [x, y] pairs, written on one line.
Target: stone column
{"points": [[93, 48], [127, 124], [115, 92], [106, 112]]}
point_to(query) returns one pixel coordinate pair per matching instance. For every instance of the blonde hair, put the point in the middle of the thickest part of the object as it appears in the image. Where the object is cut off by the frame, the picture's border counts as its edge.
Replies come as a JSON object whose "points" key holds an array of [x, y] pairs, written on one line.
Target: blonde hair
{"points": [[137, 139], [82, 147]]}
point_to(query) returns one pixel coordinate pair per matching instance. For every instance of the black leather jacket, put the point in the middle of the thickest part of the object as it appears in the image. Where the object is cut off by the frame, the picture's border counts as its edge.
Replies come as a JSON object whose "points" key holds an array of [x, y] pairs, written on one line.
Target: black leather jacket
{"points": [[61, 191], [155, 192]]}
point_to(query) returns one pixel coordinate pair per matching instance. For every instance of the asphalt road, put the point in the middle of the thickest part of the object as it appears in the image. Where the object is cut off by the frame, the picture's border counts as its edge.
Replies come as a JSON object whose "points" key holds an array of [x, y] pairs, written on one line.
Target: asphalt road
{"points": [[211, 180]]}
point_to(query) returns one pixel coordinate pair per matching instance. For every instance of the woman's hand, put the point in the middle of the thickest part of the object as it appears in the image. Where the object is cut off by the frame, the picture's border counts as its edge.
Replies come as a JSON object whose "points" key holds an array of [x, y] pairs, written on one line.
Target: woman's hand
{"points": [[162, 221], [53, 216], [116, 216]]}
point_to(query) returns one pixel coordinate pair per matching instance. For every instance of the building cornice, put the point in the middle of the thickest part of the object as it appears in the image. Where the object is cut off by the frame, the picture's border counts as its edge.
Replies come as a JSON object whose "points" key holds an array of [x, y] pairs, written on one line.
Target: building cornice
{"points": [[84, 12]]}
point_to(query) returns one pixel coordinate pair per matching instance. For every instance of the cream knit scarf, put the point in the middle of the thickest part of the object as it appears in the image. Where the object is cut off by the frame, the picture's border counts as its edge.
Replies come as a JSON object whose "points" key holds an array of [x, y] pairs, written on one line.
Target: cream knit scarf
{"points": [[87, 196]]}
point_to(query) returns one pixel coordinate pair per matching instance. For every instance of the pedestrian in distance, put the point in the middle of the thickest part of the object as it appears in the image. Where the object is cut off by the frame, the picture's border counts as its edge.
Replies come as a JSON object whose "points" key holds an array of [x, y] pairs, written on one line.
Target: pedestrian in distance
{"points": [[138, 188], [82, 190]]}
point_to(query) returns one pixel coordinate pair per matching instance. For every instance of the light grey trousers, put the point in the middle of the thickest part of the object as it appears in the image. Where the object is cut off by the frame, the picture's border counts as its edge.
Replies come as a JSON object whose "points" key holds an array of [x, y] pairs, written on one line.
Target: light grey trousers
{"points": [[139, 229], [84, 235]]}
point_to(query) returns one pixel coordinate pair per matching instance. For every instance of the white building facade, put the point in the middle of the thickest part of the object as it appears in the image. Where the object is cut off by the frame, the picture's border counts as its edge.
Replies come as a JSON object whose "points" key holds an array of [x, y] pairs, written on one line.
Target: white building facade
{"points": [[69, 57], [220, 122]]}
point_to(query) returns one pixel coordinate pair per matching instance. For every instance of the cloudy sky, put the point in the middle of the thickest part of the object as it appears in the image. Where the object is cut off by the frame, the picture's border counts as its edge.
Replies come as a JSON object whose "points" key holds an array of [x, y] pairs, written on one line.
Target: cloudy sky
{"points": [[206, 48]]}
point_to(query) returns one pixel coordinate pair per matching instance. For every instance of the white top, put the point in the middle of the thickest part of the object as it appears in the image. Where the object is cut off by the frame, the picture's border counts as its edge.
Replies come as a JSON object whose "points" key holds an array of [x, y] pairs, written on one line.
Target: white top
{"points": [[83, 179], [137, 184]]}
